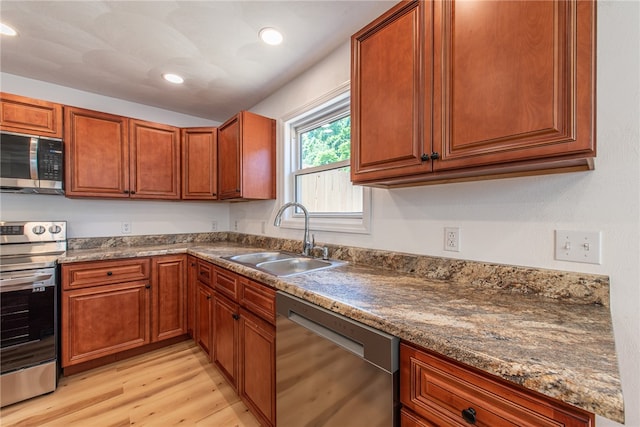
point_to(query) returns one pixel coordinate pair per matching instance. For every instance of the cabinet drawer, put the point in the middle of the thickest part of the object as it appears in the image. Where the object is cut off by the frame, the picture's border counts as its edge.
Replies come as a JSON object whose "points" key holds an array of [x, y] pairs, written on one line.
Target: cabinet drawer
{"points": [[259, 299], [96, 273], [443, 392], [227, 283], [205, 272]]}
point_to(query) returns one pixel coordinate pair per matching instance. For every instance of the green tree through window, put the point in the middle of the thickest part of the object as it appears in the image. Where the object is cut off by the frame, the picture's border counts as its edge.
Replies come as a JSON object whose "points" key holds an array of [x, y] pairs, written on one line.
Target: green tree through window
{"points": [[326, 144]]}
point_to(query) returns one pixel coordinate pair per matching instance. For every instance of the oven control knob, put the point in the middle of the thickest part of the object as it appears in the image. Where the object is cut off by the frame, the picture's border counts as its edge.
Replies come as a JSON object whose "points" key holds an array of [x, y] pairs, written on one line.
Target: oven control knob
{"points": [[38, 229], [55, 229]]}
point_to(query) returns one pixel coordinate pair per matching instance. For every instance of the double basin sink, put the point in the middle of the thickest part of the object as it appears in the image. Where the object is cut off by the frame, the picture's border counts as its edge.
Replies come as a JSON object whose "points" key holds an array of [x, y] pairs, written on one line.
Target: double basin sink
{"points": [[283, 263]]}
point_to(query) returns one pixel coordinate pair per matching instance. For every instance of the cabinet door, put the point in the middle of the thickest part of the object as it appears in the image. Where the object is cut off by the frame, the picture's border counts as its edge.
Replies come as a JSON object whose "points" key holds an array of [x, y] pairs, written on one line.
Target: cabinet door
{"points": [[96, 154], [155, 160], [225, 337], [258, 366], [192, 286], [168, 290], [246, 157], [229, 164], [199, 163], [387, 94], [204, 318], [31, 116], [513, 81], [100, 321]]}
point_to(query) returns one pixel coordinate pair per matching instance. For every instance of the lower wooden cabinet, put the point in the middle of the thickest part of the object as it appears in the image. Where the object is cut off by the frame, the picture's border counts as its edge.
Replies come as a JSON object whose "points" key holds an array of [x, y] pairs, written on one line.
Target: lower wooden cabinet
{"points": [[235, 325], [257, 362], [105, 312], [225, 337], [168, 297], [104, 320], [438, 392]]}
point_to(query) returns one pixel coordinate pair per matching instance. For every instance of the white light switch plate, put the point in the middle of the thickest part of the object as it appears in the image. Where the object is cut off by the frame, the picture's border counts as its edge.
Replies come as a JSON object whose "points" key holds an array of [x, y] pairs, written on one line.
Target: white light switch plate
{"points": [[578, 246]]}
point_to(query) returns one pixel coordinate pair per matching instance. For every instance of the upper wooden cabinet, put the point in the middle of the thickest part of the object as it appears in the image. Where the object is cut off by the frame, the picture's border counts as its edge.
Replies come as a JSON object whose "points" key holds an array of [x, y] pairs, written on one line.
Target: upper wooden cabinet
{"points": [[154, 160], [96, 154], [117, 157], [199, 163], [246, 157], [31, 116], [456, 90]]}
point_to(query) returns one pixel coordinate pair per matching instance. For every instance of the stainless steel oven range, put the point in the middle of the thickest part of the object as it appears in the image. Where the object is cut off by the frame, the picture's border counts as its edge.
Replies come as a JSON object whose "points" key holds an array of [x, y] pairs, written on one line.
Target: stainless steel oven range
{"points": [[29, 294]]}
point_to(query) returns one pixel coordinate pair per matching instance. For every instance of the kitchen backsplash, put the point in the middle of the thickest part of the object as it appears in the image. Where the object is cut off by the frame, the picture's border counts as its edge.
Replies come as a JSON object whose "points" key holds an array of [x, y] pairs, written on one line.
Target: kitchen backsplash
{"points": [[580, 288]]}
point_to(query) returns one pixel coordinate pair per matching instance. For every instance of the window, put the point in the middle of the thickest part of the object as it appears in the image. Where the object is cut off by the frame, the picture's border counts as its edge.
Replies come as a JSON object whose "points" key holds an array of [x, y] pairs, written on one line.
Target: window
{"points": [[318, 170]]}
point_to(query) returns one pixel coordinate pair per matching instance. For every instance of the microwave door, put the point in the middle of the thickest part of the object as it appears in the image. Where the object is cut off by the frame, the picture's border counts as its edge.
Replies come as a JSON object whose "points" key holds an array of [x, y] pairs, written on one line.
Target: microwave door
{"points": [[19, 164]]}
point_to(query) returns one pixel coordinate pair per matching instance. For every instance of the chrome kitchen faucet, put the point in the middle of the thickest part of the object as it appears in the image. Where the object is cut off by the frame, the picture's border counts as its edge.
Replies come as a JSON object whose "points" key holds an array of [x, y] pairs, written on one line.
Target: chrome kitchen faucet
{"points": [[306, 243]]}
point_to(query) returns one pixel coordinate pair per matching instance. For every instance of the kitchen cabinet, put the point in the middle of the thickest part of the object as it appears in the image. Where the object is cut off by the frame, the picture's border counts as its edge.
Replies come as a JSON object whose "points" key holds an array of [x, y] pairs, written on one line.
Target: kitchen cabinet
{"points": [[204, 298], [258, 349], [154, 160], [110, 156], [199, 163], [169, 296], [204, 318], [108, 314], [225, 325], [109, 307], [438, 391], [246, 157], [242, 331], [455, 90], [192, 283], [30, 116]]}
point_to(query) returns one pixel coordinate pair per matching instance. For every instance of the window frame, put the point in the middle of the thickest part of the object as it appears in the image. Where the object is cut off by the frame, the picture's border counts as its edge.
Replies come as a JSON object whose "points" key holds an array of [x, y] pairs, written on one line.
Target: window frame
{"points": [[305, 117]]}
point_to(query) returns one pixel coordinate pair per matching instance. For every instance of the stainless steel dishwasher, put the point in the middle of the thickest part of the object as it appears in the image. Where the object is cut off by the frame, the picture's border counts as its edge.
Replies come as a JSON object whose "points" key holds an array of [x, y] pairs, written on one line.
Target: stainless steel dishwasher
{"points": [[331, 370]]}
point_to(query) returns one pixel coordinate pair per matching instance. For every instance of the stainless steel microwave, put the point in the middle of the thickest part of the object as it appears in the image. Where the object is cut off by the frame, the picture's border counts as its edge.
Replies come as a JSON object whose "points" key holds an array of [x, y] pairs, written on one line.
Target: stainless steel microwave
{"points": [[31, 164]]}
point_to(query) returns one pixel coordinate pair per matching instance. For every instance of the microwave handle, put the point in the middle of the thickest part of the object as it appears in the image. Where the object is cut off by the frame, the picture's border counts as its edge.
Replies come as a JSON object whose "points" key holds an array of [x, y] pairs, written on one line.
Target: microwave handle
{"points": [[33, 157]]}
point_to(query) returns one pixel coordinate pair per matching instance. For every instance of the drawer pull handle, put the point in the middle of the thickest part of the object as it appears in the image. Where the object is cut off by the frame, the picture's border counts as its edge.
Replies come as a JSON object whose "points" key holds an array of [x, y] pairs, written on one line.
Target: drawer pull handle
{"points": [[109, 273], [469, 415]]}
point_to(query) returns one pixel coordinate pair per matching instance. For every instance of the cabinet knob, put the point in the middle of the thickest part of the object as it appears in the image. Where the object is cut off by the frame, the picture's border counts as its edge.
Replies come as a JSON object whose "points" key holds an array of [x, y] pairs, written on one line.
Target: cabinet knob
{"points": [[434, 156], [424, 157], [109, 273], [147, 286], [213, 194], [133, 192], [208, 296], [126, 191], [235, 316], [469, 415]]}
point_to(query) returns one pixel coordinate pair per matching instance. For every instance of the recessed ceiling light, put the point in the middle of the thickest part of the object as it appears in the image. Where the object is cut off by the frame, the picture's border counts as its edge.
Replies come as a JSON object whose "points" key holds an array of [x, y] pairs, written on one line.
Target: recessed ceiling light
{"points": [[7, 30], [270, 36], [173, 78]]}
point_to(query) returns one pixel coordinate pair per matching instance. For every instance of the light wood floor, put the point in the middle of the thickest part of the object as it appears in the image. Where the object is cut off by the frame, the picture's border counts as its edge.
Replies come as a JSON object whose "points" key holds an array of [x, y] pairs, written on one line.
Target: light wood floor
{"points": [[175, 385]]}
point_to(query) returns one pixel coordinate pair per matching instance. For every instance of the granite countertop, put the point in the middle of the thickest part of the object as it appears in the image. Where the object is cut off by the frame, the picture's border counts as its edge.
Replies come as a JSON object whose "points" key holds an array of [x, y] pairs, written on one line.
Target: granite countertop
{"points": [[560, 346]]}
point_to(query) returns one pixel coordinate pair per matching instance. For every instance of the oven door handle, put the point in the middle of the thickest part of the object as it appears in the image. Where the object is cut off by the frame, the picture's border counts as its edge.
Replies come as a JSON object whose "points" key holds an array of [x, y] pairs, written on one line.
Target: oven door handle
{"points": [[26, 282]]}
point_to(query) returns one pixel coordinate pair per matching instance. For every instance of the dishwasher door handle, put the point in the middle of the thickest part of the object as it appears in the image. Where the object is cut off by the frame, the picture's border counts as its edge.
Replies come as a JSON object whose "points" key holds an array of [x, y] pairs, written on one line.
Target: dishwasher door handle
{"points": [[340, 340]]}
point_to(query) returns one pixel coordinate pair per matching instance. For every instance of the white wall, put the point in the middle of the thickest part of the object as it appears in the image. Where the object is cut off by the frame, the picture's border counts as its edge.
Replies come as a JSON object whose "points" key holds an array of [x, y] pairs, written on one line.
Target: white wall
{"points": [[512, 221], [97, 218]]}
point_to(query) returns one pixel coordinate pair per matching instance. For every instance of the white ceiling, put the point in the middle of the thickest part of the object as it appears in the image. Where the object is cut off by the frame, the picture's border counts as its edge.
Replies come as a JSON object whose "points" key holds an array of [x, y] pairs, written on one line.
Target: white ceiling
{"points": [[121, 48]]}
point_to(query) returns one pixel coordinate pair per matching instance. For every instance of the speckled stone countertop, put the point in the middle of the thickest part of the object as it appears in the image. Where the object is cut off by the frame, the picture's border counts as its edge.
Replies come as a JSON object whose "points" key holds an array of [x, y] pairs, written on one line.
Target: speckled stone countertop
{"points": [[549, 331]]}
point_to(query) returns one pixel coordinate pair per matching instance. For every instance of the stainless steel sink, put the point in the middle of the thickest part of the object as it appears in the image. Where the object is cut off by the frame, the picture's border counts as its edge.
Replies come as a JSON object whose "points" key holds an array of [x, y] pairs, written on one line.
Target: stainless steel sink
{"points": [[283, 263], [257, 258]]}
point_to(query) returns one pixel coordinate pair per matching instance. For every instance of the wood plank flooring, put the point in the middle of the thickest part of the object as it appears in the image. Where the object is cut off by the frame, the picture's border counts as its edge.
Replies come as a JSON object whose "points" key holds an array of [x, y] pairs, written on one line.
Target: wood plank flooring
{"points": [[175, 385]]}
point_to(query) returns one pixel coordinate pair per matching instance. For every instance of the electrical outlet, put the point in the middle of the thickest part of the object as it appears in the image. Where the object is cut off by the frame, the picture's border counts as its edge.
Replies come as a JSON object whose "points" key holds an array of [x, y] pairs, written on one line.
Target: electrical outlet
{"points": [[214, 225], [235, 225], [125, 227], [578, 246], [452, 239]]}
